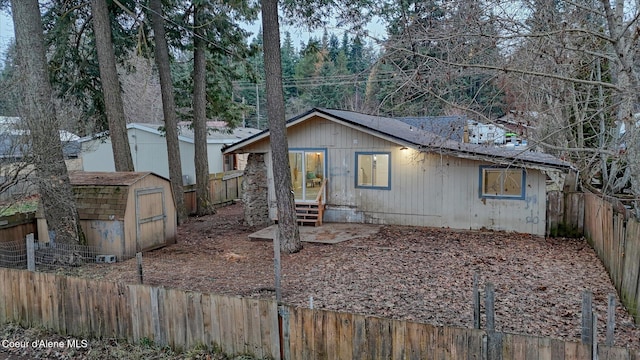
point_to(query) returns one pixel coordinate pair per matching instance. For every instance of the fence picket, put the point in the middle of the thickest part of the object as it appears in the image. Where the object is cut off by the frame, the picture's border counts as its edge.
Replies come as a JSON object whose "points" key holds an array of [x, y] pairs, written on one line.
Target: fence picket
{"points": [[617, 250], [195, 326], [225, 311], [269, 330], [216, 333], [252, 333], [331, 332], [398, 331], [319, 338], [308, 329], [237, 329], [416, 341], [296, 334], [207, 333]]}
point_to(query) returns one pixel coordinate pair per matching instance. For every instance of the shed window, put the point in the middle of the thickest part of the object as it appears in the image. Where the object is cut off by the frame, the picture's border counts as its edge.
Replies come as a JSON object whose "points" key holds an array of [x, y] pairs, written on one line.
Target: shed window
{"points": [[229, 162], [505, 183], [373, 170]]}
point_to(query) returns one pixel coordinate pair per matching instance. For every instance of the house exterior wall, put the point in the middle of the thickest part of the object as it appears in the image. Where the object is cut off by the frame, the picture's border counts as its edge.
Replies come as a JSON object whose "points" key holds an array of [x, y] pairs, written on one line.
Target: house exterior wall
{"points": [[97, 155], [426, 189], [149, 153]]}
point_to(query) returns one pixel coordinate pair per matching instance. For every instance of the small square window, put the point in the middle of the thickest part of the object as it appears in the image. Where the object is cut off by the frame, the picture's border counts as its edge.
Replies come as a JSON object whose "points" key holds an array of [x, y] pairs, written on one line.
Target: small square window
{"points": [[506, 183], [373, 170]]}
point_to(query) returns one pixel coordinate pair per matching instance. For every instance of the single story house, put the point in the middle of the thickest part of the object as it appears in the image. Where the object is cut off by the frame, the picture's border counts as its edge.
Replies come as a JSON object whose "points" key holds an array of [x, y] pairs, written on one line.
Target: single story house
{"points": [[149, 150], [385, 171]]}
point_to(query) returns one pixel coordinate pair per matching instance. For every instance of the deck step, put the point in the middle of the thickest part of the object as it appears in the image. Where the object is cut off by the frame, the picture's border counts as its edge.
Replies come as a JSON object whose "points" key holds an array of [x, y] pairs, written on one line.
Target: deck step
{"points": [[308, 214]]}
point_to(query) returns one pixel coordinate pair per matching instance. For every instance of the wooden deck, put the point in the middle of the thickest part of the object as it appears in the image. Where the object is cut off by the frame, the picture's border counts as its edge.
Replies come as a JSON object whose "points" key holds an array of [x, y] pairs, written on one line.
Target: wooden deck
{"points": [[329, 233]]}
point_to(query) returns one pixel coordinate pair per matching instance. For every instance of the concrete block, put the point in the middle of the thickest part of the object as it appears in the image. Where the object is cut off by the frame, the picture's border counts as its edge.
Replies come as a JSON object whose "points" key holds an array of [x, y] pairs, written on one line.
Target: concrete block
{"points": [[108, 259]]}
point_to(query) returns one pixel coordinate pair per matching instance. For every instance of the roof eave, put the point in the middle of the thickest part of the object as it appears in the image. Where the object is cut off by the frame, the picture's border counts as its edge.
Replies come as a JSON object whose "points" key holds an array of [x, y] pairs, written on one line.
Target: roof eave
{"points": [[502, 160]]}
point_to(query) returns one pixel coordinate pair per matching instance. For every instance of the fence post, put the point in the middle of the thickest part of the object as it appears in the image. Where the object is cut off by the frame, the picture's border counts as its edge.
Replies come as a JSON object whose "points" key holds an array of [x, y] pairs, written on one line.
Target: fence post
{"points": [[587, 319], [139, 260], [476, 302], [489, 306], [594, 331], [494, 339], [611, 319], [31, 253], [283, 325], [276, 262], [158, 331]]}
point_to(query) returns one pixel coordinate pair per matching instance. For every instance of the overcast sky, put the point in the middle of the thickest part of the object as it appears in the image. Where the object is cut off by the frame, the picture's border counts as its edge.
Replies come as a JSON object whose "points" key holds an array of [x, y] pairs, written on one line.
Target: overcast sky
{"points": [[6, 34]]}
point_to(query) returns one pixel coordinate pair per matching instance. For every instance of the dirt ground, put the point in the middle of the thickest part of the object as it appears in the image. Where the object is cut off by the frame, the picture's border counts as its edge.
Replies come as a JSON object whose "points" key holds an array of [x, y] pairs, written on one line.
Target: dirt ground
{"points": [[412, 273]]}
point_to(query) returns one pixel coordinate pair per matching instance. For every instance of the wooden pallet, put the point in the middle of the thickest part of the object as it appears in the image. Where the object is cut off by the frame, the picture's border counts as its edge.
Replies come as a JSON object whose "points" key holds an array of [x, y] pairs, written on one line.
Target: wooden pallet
{"points": [[309, 214]]}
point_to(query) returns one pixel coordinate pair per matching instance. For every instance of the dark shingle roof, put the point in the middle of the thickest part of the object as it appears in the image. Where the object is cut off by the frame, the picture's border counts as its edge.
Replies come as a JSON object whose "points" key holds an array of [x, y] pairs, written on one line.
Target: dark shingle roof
{"points": [[103, 195], [430, 141], [410, 135], [449, 127]]}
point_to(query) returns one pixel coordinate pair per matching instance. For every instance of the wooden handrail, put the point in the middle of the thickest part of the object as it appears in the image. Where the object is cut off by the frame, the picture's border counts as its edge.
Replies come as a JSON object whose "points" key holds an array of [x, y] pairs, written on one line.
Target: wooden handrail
{"points": [[321, 191]]}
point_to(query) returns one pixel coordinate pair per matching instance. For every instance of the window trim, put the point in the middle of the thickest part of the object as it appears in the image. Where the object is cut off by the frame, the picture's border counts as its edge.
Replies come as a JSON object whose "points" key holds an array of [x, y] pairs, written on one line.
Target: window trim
{"points": [[356, 172], [504, 197]]}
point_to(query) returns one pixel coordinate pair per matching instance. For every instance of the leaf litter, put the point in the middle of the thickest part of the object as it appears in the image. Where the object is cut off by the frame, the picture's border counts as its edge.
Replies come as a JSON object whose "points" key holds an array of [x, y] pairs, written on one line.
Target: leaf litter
{"points": [[407, 273]]}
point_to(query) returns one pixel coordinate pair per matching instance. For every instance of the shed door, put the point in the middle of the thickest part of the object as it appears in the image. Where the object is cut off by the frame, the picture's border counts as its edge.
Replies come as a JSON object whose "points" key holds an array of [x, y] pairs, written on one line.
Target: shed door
{"points": [[150, 218]]}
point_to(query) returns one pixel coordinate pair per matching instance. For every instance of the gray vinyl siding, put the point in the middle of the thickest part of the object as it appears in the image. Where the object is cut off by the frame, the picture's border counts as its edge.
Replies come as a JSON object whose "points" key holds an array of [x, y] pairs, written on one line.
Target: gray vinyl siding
{"points": [[149, 153], [427, 189]]}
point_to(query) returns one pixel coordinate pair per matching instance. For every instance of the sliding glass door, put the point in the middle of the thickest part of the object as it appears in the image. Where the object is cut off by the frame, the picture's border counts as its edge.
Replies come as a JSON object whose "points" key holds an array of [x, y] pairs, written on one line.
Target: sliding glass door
{"points": [[307, 172]]}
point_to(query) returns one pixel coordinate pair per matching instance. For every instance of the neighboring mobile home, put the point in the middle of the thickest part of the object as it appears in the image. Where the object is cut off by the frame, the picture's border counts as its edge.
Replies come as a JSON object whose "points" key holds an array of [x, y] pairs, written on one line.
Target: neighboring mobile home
{"points": [[149, 150], [385, 171]]}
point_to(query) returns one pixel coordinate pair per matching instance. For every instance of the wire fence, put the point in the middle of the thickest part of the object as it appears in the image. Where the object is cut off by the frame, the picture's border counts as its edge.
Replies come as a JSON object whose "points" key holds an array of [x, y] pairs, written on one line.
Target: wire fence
{"points": [[13, 254], [47, 255]]}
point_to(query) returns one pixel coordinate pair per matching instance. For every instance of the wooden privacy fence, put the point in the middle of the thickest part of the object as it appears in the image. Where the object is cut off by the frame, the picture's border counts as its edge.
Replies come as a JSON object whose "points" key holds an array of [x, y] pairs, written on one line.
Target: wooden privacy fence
{"points": [[565, 213], [183, 319], [617, 243], [17, 226], [223, 188]]}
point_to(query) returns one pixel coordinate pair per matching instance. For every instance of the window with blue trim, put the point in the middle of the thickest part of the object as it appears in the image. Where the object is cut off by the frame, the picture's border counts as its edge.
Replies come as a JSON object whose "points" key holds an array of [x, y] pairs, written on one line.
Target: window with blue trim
{"points": [[373, 170], [505, 183]]}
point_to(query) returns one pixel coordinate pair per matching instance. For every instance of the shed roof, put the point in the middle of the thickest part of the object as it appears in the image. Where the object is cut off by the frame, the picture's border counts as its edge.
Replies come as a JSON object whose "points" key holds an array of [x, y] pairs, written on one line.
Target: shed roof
{"points": [[103, 195], [92, 178], [408, 135]]}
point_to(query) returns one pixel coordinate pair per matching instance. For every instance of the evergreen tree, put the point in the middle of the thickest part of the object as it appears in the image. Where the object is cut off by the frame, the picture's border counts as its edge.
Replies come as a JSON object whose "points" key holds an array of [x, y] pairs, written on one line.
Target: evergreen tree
{"points": [[72, 55], [415, 78], [289, 62]]}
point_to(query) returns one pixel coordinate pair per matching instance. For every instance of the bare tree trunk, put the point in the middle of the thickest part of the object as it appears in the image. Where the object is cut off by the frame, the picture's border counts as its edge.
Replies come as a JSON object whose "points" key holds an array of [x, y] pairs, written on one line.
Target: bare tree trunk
{"points": [[204, 205], [626, 78], [111, 87], [38, 112], [287, 224], [168, 108]]}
